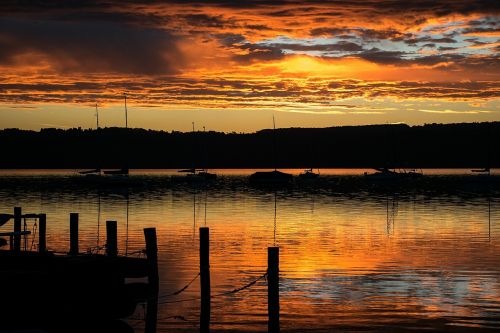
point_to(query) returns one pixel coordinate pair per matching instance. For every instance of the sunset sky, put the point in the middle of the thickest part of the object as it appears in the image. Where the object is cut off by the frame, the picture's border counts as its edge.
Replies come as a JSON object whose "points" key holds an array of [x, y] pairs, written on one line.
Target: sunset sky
{"points": [[231, 65]]}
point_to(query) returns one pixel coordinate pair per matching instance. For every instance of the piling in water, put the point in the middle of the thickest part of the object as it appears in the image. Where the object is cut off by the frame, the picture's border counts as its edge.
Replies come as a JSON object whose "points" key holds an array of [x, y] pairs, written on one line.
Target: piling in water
{"points": [[111, 239], [152, 257], [73, 234], [17, 229], [273, 296], [153, 279], [42, 232], [205, 279]]}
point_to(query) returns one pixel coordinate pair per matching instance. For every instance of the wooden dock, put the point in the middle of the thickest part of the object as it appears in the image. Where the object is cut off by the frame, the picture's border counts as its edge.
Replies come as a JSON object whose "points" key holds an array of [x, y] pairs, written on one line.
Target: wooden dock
{"points": [[37, 285]]}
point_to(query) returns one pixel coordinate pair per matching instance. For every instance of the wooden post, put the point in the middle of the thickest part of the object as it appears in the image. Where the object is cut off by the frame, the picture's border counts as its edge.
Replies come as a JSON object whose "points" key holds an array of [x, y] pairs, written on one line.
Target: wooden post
{"points": [[17, 229], [151, 315], [73, 234], [273, 296], [111, 239], [153, 280], [42, 230], [205, 279], [152, 256]]}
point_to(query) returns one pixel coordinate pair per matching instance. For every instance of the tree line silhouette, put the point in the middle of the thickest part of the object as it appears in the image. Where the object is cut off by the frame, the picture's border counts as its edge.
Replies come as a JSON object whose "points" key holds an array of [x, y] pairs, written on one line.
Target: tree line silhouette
{"points": [[462, 145]]}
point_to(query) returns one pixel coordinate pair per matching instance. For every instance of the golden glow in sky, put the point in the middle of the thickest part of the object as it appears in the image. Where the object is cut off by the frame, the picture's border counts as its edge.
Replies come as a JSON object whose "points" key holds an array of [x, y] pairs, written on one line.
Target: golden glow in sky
{"points": [[230, 65]]}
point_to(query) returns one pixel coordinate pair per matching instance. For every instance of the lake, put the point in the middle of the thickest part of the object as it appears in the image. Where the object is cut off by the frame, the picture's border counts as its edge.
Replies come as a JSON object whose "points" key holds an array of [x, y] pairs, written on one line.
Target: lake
{"points": [[354, 256]]}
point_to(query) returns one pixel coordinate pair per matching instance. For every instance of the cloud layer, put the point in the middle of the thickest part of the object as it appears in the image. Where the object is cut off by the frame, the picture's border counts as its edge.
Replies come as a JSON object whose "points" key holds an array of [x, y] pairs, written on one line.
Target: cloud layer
{"points": [[293, 55]]}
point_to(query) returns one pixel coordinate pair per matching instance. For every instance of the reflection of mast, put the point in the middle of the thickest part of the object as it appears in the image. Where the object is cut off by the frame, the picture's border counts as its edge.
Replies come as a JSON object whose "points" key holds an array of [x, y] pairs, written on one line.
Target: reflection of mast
{"points": [[126, 113], [274, 144], [126, 230], [97, 116], [194, 212], [391, 214], [98, 217], [205, 219], [274, 234], [489, 217]]}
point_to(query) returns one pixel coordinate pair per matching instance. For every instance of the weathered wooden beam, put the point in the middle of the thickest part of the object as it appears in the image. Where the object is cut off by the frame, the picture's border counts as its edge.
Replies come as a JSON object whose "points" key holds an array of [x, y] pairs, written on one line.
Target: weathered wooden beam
{"points": [[205, 280], [273, 296], [17, 229], [73, 234], [42, 233], [111, 239]]}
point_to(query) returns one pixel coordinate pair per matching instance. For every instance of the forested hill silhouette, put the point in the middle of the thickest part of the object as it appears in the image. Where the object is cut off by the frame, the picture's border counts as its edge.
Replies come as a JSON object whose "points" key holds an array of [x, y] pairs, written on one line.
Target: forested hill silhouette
{"points": [[435, 145]]}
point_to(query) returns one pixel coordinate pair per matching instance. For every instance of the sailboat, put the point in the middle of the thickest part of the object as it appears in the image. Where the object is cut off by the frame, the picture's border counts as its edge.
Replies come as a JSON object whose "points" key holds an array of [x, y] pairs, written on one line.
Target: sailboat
{"points": [[393, 174], [386, 174], [194, 174], [97, 171], [124, 171], [484, 171], [309, 174], [271, 177], [198, 174]]}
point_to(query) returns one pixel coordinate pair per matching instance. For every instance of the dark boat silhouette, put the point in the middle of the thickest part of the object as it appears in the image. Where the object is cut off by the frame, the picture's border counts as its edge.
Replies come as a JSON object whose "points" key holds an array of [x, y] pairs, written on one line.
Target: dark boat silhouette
{"points": [[96, 171], [386, 174], [122, 171], [482, 171], [90, 172], [96, 174], [309, 174], [194, 175], [271, 177]]}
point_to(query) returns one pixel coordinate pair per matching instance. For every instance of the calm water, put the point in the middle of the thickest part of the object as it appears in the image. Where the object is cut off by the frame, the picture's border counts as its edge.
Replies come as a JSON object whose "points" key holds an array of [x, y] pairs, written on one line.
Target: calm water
{"points": [[353, 256]]}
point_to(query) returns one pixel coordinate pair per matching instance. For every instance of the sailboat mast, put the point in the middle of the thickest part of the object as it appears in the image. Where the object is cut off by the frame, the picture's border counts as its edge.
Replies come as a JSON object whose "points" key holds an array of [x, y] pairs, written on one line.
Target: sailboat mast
{"points": [[194, 150], [274, 144], [97, 115], [126, 113]]}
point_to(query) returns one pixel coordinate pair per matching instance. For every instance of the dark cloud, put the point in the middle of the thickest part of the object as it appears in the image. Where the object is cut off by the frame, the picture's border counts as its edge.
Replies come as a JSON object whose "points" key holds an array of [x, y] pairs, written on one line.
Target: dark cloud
{"points": [[204, 20], [229, 39], [341, 46], [231, 93], [90, 47], [429, 39], [430, 46], [367, 34], [479, 30], [265, 54], [446, 48], [382, 57]]}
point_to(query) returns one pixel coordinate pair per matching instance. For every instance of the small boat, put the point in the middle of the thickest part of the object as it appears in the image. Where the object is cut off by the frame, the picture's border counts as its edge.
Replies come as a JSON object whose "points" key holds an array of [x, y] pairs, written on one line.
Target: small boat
{"points": [[271, 177], [195, 175], [90, 172], [97, 171], [386, 174], [309, 174], [122, 171], [485, 171], [411, 173]]}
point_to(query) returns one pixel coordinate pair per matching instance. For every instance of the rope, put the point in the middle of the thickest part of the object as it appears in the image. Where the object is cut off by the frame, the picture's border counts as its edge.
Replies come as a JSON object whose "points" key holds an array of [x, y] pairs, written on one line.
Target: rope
{"points": [[95, 249], [140, 252], [182, 289], [248, 285], [234, 291]]}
